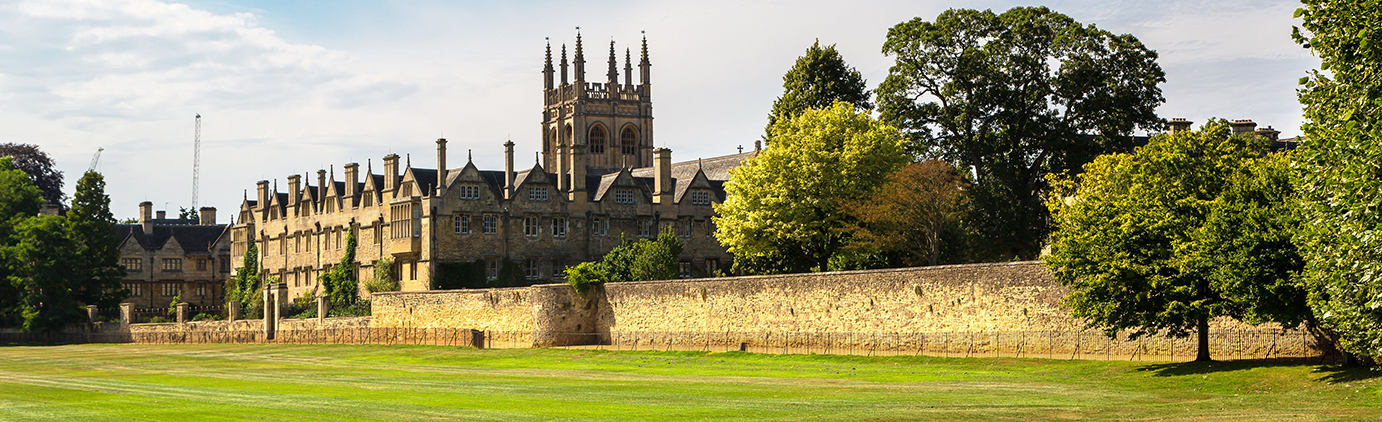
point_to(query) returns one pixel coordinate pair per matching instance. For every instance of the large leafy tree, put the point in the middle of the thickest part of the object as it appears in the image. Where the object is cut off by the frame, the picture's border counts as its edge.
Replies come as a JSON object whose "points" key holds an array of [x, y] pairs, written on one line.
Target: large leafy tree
{"points": [[19, 200], [817, 80], [784, 208], [42, 270], [1190, 227], [39, 166], [93, 234], [909, 218], [1015, 96], [1338, 173]]}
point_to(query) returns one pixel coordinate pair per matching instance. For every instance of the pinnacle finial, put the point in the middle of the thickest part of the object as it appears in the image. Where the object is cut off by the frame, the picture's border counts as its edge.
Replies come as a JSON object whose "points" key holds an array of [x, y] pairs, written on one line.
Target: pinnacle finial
{"points": [[410, 160], [469, 158]]}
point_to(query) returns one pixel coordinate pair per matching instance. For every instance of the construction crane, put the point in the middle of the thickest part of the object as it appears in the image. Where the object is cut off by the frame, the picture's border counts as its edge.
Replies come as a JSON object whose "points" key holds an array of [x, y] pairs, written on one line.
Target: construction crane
{"points": [[196, 161], [95, 159]]}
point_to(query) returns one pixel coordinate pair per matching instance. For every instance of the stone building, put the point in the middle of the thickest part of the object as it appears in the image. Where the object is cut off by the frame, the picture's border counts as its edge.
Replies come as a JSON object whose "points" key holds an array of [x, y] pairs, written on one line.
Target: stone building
{"points": [[165, 258], [597, 179]]}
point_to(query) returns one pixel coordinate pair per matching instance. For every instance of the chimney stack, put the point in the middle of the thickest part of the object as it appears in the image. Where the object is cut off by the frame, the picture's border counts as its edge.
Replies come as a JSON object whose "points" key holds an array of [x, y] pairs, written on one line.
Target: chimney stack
{"points": [[352, 180], [321, 187], [1179, 124], [1269, 133], [294, 191], [161, 214], [146, 214], [662, 168], [1244, 126], [390, 172], [441, 165], [208, 216], [262, 187], [508, 170]]}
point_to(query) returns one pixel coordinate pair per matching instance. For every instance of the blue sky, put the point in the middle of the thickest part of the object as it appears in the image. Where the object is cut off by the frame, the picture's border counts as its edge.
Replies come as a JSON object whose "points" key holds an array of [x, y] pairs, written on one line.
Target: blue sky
{"points": [[290, 87]]}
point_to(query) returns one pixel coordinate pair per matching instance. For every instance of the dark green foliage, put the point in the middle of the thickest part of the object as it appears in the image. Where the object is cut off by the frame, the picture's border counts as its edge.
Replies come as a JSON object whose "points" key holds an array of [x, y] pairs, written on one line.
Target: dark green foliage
{"points": [[384, 279], [189, 214], [817, 80], [19, 198], [206, 317], [1190, 227], [245, 286], [93, 233], [1011, 95], [340, 283], [39, 167], [1338, 175], [645, 259], [42, 271]]}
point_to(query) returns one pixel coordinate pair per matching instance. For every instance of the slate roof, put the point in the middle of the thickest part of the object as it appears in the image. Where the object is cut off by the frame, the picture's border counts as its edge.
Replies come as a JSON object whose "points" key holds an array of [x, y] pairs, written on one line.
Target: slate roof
{"points": [[195, 239]]}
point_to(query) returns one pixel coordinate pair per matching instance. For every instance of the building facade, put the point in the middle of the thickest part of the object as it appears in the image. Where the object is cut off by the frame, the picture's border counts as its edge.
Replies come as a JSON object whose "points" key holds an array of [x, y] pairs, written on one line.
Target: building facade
{"points": [[169, 258], [597, 180]]}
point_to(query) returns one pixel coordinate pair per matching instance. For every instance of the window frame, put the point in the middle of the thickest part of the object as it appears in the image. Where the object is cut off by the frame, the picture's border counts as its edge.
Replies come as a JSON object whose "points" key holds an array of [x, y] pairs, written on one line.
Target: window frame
{"points": [[532, 226]]}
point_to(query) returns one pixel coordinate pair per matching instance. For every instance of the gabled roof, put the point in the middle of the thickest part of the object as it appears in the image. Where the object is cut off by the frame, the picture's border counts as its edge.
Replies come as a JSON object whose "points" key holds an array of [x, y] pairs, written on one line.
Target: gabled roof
{"points": [[715, 168], [193, 239], [426, 179], [684, 184], [535, 175]]}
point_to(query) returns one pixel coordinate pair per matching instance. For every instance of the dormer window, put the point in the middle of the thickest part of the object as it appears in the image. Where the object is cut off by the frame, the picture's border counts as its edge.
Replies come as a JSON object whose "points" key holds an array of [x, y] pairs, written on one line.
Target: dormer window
{"points": [[623, 196], [700, 198], [537, 193], [407, 190], [471, 192]]}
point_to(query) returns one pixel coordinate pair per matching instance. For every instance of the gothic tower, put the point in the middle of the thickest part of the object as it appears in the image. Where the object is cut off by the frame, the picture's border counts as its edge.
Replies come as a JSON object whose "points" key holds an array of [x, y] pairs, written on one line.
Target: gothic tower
{"points": [[595, 128]]}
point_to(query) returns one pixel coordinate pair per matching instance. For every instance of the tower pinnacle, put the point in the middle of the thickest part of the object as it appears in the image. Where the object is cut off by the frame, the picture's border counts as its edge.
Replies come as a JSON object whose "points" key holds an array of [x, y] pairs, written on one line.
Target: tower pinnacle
{"points": [[628, 67], [547, 67], [563, 64], [643, 65], [613, 65], [580, 58]]}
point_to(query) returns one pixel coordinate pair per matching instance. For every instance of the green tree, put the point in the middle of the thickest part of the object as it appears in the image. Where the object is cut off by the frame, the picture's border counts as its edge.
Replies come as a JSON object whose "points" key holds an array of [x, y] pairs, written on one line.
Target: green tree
{"points": [[19, 200], [42, 266], [340, 284], [645, 259], [39, 167], [384, 279], [817, 80], [1190, 227], [1338, 174], [909, 219], [93, 234], [783, 212], [185, 213], [1013, 96]]}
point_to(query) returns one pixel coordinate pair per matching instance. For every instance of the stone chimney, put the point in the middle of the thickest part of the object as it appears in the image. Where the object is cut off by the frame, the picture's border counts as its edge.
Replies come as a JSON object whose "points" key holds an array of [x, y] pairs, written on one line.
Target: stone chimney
{"points": [[294, 191], [1179, 124], [1269, 133], [508, 170], [352, 180], [390, 172], [663, 189], [1244, 126], [146, 215], [207, 217], [161, 215], [321, 187], [262, 187], [441, 165]]}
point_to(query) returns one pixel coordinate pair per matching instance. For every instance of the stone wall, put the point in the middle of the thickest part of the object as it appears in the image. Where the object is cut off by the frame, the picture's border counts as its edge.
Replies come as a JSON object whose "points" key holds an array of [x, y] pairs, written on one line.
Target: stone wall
{"points": [[506, 309]]}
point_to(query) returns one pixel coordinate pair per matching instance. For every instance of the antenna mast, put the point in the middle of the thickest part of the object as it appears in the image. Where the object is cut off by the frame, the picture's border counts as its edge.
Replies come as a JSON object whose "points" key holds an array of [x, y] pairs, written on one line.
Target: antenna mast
{"points": [[196, 161]]}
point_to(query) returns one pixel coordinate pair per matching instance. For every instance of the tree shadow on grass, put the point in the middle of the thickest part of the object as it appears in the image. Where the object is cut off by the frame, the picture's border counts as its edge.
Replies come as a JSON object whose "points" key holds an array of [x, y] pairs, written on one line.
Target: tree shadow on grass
{"points": [[1330, 373]]}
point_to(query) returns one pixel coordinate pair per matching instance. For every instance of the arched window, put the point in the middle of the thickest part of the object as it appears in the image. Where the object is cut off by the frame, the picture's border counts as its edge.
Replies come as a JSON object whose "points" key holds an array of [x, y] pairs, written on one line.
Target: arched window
{"points": [[567, 132], [597, 139], [628, 140]]}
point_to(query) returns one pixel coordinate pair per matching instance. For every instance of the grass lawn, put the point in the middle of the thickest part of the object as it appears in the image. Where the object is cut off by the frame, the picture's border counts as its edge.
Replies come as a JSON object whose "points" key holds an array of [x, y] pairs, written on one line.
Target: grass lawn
{"points": [[396, 383]]}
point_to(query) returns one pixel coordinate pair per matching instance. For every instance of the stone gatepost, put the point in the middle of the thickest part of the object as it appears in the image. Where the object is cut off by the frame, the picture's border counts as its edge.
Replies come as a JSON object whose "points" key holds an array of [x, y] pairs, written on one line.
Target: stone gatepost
{"points": [[233, 310], [270, 312], [182, 312], [323, 307], [126, 313], [91, 315]]}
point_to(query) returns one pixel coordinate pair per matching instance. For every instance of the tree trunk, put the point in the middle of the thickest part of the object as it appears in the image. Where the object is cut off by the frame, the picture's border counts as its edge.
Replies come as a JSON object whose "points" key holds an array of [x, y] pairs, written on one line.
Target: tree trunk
{"points": [[1202, 332]]}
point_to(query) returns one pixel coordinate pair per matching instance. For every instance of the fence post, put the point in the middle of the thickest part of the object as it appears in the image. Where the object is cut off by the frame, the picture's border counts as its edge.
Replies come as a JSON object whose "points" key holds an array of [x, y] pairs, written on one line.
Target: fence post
{"points": [[323, 307], [182, 312], [233, 310]]}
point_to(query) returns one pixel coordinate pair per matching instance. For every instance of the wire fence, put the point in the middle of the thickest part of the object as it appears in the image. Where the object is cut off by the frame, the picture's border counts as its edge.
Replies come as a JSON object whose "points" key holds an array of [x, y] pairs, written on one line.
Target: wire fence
{"points": [[1053, 344]]}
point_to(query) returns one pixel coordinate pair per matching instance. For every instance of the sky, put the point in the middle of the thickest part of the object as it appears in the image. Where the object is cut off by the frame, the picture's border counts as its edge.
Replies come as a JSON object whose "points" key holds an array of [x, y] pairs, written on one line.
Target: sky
{"points": [[290, 87]]}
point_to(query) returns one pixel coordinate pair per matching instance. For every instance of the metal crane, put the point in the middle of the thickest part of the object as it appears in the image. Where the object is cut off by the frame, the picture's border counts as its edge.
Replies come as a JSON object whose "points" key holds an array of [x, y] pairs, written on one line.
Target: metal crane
{"points": [[196, 161], [95, 159]]}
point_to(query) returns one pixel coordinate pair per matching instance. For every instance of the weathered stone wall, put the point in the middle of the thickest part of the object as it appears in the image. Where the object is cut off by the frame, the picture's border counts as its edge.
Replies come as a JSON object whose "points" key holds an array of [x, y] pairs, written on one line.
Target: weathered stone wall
{"points": [[506, 309]]}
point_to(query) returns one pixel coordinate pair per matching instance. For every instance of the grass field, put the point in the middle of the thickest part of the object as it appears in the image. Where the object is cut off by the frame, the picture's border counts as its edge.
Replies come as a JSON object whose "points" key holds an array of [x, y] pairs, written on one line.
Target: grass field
{"points": [[340, 382]]}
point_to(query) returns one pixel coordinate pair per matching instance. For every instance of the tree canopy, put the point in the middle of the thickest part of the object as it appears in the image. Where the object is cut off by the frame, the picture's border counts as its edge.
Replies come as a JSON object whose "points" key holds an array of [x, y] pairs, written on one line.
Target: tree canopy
{"points": [[1016, 96], [641, 260], [817, 80], [784, 208], [915, 216], [1190, 227], [93, 232], [39, 166], [1337, 170]]}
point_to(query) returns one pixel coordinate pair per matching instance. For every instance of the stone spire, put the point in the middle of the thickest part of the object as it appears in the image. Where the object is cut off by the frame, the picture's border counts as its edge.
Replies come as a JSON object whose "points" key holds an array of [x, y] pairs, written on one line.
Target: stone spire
{"points": [[613, 65], [643, 65], [563, 64], [628, 67], [580, 59], [547, 68]]}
